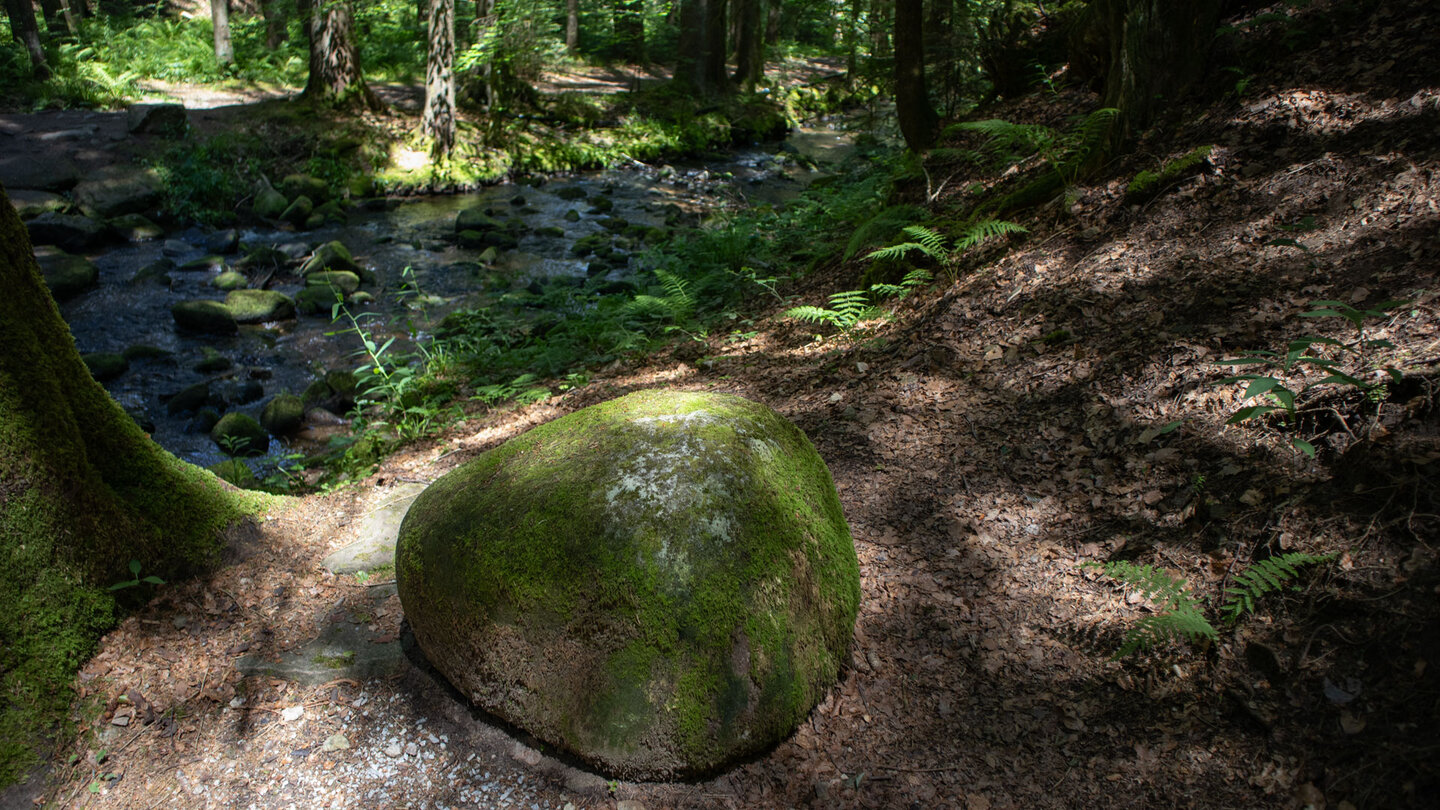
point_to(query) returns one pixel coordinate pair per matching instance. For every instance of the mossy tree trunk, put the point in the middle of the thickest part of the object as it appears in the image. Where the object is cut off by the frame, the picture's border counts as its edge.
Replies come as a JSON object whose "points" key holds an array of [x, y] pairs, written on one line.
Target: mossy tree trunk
{"points": [[335, 73], [82, 493], [438, 124], [220, 23], [572, 27]]}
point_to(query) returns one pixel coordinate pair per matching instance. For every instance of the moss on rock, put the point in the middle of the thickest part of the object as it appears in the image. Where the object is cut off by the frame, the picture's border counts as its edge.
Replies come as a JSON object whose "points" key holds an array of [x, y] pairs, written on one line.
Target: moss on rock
{"points": [[259, 306], [238, 434], [204, 316], [661, 584]]}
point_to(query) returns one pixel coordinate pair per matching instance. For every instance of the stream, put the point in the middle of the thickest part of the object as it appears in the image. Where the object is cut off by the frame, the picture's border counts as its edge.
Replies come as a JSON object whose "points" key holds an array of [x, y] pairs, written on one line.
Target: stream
{"points": [[409, 244]]}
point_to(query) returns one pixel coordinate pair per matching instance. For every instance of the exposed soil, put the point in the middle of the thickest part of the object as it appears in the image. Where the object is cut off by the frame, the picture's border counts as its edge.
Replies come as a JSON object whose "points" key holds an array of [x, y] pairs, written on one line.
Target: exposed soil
{"points": [[999, 432]]}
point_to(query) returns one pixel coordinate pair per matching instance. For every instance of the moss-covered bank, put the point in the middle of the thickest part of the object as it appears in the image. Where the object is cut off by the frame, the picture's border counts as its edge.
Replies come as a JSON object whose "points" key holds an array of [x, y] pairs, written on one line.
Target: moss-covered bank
{"points": [[82, 492], [660, 584]]}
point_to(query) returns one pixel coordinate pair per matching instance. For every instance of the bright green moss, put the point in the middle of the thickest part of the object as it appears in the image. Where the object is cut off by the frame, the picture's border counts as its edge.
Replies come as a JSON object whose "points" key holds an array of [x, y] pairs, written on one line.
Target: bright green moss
{"points": [[1148, 184], [686, 550]]}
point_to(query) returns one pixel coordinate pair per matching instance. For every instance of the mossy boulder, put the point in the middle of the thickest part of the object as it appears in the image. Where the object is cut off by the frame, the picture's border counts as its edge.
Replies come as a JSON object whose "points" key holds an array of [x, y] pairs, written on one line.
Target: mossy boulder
{"points": [[475, 219], [283, 414], [230, 280], [340, 280], [259, 306], [662, 584], [298, 211], [136, 228], [105, 366], [331, 256], [66, 275], [238, 434], [207, 316], [270, 204], [315, 300], [303, 185]]}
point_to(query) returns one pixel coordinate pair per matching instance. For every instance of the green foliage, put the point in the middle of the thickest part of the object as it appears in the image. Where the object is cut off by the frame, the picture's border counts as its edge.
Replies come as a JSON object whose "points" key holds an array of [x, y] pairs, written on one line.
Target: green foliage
{"points": [[1179, 614], [850, 307], [1263, 577], [136, 580], [1346, 364], [1148, 184], [932, 244], [1060, 157]]}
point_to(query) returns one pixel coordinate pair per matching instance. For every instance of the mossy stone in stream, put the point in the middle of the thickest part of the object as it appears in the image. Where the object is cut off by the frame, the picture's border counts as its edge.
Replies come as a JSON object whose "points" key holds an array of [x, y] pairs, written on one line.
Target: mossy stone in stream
{"points": [[341, 280], [191, 398], [156, 272], [331, 212], [259, 306], [269, 204], [298, 211], [475, 219], [551, 231], [211, 317], [501, 240], [295, 186], [471, 239], [66, 275], [332, 255], [315, 300], [601, 205], [136, 228], [212, 362], [105, 366], [238, 434], [572, 216], [235, 472], [283, 414], [211, 262], [230, 280], [144, 351], [662, 584], [570, 193]]}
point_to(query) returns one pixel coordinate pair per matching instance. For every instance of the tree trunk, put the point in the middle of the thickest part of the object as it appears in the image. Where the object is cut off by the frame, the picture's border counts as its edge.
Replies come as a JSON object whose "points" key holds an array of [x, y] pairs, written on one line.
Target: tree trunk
{"points": [[912, 98], [1150, 52], [27, 32], [629, 21], [773, 18], [82, 493], [879, 29], [335, 74], [220, 17], [715, 48], [572, 26], [749, 43], [486, 19], [439, 121], [276, 29], [690, 58], [58, 18]]}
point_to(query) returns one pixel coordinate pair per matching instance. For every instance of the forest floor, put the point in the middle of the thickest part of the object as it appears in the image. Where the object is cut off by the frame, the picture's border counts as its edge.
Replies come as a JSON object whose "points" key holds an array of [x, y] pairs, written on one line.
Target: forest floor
{"points": [[992, 436]]}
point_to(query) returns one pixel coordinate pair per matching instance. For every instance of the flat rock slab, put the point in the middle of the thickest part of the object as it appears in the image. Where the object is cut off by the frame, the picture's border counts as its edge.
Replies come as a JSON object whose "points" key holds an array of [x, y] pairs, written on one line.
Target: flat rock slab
{"points": [[345, 648], [375, 543]]}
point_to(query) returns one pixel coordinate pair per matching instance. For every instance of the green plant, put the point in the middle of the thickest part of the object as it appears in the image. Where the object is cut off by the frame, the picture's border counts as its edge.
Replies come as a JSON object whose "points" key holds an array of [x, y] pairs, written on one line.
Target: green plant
{"points": [[931, 243], [136, 579], [1347, 365], [1180, 615], [849, 307]]}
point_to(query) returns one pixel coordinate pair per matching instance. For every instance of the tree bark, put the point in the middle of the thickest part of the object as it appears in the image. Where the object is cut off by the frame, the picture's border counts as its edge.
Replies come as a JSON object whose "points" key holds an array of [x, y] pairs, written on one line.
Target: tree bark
{"points": [[335, 73], [572, 26], [716, 79], [276, 30], [58, 18], [749, 42], [701, 61], [439, 120], [27, 32], [912, 97], [1150, 53], [220, 17], [486, 19], [82, 493]]}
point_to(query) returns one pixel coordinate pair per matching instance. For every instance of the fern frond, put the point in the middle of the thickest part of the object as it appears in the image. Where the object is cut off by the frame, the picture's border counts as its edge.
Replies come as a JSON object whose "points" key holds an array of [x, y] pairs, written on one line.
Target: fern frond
{"points": [[1094, 128], [850, 306], [932, 242], [813, 315], [1165, 591], [1264, 577], [915, 279], [985, 229], [895, 251], [1174, 625], [677, 294], [1009, 137]]}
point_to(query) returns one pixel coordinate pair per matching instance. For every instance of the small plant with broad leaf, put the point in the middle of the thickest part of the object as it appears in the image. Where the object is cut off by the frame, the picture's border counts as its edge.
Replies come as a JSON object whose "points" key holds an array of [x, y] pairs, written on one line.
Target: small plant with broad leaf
{"points": [[136, 580], [1180, 615], [1345, 363]]}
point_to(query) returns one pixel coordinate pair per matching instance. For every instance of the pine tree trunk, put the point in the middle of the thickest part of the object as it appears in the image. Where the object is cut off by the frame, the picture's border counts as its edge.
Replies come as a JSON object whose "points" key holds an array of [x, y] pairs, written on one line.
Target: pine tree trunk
{"points": [[439, 120], [26, 31], [82, 493], [220, 17], [716, 79], [690, 57], [572, 26], [58, 18], [335, 74], [912, 98], [485, 19]]}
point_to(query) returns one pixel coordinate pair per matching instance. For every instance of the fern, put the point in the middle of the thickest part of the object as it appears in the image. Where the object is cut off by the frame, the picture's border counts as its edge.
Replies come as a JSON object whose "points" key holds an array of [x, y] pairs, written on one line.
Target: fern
{"points": [[985, 229], [1179, 614], [914, 280], [928, 241], [846, 309], [1262, 578]]}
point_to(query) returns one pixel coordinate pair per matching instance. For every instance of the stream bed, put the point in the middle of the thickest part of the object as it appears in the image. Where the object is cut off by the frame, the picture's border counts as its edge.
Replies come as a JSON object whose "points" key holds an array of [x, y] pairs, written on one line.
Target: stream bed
{"points": [[421, 273]]}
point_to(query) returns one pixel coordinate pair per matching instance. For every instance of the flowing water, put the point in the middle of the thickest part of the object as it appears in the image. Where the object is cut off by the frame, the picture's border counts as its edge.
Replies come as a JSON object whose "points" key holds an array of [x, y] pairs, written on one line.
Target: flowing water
{"points": [[408, 243]]}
